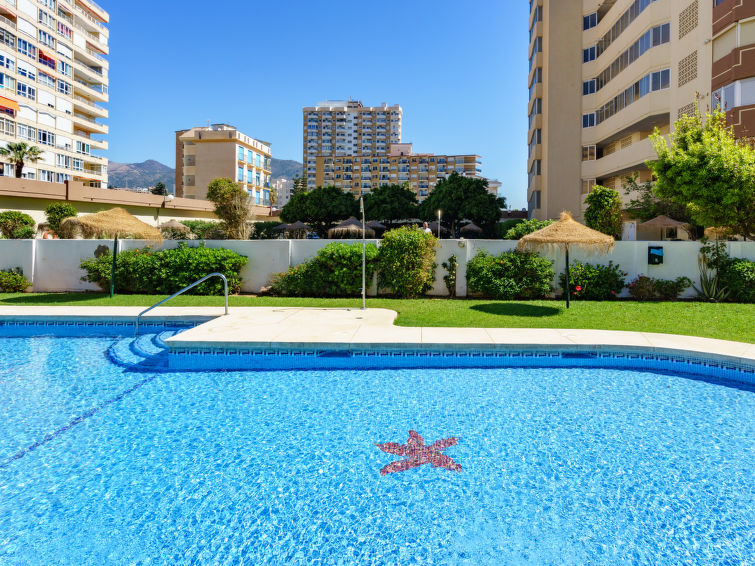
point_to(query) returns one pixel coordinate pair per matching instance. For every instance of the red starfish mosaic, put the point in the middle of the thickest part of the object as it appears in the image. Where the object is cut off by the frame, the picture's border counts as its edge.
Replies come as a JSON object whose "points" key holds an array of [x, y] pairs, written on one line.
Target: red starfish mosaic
{"points": [[415, 454]]}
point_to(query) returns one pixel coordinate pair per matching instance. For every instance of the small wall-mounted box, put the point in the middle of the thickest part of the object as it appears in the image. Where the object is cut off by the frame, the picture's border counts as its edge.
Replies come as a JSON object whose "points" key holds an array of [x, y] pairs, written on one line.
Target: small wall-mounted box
{"points": [[655, 255]]}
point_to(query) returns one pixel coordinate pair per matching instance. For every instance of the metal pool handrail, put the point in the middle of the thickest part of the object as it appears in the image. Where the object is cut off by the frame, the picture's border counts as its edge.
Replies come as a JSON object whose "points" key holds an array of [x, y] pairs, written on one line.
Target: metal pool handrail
{"points": [[206, 277]]}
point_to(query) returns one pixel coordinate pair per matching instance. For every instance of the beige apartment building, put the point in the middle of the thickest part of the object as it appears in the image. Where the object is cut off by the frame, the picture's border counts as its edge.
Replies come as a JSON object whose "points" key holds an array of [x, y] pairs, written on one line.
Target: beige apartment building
{"points": [[360, 174], [53, 84], [604, 74], [209, 152], [347, 128]]}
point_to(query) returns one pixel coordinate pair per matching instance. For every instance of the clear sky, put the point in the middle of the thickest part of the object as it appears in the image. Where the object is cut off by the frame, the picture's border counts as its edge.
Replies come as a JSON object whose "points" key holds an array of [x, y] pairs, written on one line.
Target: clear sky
{"points": [[458, 69]]}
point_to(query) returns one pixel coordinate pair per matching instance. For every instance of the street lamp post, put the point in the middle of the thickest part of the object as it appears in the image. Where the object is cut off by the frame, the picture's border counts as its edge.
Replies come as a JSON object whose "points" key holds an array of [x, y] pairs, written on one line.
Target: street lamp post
{"points": [[439, 214]]}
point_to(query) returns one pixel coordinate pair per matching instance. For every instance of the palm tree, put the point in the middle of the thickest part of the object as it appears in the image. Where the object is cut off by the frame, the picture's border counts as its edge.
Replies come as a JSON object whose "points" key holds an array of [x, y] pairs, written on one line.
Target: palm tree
{"points": [[19, 153]]}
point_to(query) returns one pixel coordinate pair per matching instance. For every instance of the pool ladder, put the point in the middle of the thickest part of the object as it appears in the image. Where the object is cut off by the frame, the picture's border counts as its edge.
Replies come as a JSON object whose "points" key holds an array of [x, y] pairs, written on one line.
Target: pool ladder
{"points": [[205, 278]]}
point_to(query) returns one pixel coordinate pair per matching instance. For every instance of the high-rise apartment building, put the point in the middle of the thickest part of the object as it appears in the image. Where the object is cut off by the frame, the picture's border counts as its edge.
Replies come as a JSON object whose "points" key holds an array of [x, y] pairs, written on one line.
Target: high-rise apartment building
{"points": [[604, 74], [340, 128], [361, 174], [206, 153], [53, 82]]}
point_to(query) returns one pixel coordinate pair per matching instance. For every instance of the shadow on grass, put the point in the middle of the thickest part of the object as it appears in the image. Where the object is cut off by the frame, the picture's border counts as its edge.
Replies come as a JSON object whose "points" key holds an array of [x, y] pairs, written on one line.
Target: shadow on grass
{"points": [[51, 298], [517, 309]]}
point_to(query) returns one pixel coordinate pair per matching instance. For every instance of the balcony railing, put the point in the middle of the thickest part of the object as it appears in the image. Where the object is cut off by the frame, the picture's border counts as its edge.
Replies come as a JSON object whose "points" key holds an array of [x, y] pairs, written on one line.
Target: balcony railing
{"points": [[82, 12], [88, 103]]}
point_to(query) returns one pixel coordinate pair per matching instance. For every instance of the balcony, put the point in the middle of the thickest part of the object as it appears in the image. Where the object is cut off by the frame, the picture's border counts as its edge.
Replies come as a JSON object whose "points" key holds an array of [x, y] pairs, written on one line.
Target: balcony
{"points": [[89, 124], [89, 106], [98, 91], [620, 161]]}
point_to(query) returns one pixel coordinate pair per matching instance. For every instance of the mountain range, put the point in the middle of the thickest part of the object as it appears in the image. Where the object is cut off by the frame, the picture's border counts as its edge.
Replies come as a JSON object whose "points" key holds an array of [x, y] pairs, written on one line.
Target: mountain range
{"points": [[149, 173]]}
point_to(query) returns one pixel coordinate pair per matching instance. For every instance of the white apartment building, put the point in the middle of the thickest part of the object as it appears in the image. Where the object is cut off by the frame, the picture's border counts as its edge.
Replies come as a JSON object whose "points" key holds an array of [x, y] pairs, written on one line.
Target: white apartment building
{"points": [[284, 190], [53, 82], [339, 128]]}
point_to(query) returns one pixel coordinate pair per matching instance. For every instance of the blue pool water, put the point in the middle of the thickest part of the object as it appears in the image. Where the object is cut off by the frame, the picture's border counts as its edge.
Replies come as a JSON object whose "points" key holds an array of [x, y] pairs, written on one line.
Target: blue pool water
{"points": [[104, 464]]}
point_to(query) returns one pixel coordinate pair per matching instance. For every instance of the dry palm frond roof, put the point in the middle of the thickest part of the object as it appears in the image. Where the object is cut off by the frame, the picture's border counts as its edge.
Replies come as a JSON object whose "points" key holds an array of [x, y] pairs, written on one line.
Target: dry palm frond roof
{"points": [[108, 224], [662, 221], [348, 228], [174, 225], [567, 232]]}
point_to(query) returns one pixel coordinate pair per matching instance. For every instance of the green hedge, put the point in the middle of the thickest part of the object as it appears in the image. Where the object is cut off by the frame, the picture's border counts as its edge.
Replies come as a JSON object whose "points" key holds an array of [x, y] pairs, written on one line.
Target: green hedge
{"points": [[147, 272], [205, 229], [646, 288], [336, 271], [739, 278], [406, 263], [13, 281], [510, 275], [594, 282]]}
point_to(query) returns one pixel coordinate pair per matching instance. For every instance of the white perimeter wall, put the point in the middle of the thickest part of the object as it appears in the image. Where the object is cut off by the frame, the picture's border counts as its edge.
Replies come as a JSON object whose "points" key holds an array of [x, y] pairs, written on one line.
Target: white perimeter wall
{"points": [[54, 265]]}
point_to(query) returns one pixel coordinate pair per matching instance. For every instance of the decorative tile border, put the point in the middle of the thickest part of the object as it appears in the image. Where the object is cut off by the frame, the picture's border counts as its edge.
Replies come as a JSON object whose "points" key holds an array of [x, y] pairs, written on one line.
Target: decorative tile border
{"points": [[93, 328], [202, 359]]}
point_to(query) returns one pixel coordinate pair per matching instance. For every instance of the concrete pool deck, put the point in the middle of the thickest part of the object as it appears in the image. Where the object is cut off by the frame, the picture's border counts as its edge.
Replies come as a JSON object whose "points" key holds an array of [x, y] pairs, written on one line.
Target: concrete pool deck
{"points": [[354, 329]]}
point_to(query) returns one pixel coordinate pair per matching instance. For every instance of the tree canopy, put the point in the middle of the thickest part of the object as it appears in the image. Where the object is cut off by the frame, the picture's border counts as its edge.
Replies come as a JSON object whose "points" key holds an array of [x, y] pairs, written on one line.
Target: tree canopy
{"points": [[18, 153], [604, 211], [231, 206], [159, 189], [705, 168], [459, 197], [321, 208], [390, 203]]}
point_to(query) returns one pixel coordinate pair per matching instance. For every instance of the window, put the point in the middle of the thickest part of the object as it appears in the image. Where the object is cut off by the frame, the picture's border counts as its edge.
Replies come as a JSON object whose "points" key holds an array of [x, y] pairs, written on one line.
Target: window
{"points": [[47, 176], [45, 137], [240, 174], [27, 133], [46, 19], [46, 80], [538, 17], [48, 61], [240, 153], [588, 153], [634, 10], [26, 48], [249, 156], [587, 186], [63, 161], [28, 71], [7, 62], [77, 164], [588, 120], [249, 174], [7, 38], [64, 30], [49, 3], [7, 127], [588, 54], [83, 148], [7, 82], [65, 69], [26, 90], [588, 87], [64, 87], [590, 21], [62, 177]]}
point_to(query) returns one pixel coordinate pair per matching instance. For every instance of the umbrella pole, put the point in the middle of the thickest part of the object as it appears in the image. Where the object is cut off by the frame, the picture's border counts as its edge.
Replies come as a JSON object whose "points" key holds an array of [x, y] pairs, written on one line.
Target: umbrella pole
{"points": [[112, 267], [364, 255], [567, 277]]}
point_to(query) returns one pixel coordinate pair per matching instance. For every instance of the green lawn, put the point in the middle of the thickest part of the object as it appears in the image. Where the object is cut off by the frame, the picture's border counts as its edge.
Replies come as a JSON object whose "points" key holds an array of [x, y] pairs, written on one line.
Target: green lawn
{"points": [[726, 321]]}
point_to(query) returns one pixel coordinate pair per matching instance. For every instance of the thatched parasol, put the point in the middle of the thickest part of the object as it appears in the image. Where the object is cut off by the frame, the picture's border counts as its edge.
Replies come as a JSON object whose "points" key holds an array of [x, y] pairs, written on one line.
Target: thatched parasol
{"points": [[567, 233], [471, 228], [434, 228], [662, 222], [350, 228], [175, 226], [112, 223]]}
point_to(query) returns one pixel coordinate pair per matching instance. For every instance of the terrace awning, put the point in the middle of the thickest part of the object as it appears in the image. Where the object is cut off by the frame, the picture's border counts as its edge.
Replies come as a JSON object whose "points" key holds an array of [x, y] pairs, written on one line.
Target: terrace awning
{"points": [[9, 104]]}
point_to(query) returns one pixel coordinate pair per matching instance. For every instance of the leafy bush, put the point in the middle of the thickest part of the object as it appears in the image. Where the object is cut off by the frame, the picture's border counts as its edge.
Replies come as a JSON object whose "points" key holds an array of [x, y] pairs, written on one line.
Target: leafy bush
{"points": [[503, 227], [510, 275], [16, 225], [336, 271], [264, 231], [56, 212], [164, 272], [594, 282], [450, 277], [526, 227], [644, 288], [735, 275], [603, 211], [205, 229], [13, 280], [406, 261]]}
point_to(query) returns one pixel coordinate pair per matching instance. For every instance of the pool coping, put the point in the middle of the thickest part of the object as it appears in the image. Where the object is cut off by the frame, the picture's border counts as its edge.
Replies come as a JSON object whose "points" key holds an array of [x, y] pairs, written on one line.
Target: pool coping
{"points": [[308, 329]]}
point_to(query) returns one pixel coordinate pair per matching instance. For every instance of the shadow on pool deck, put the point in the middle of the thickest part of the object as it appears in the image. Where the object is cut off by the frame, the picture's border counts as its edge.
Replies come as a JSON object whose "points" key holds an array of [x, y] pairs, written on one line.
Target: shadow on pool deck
{"points": [[517, 309], [52, 298]]}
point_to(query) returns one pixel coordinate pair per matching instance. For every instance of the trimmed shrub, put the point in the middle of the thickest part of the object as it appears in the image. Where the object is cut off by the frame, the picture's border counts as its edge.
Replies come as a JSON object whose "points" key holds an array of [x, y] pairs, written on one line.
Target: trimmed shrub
{"points": [[739, 278], [336, 271], [406, 262], [526, 227], [13, 280], [646, 288], [603, 211], [56, 212], [16, 225], [510, 275], [205, 229], [594, 282], [148, 272]]}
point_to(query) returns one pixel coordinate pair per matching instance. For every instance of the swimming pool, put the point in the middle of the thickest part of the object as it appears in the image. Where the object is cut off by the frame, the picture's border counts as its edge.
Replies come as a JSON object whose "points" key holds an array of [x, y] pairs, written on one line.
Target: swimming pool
{"points": [[108, 463]]}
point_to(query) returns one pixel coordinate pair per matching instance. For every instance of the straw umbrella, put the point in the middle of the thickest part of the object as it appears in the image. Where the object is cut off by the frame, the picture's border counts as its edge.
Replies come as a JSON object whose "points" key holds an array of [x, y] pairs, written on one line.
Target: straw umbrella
{"points": [[471, 228], [567, 233], [113, 223], [661, 222], [350, 228], [294, 228], [175, 227], [379, 227]]}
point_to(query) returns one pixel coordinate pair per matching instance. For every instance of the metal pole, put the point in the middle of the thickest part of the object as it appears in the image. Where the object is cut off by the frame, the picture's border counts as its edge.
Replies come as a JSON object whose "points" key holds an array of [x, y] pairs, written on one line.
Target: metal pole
{"points": [[439, 213], [112, 269], [364, 256], [568, 292]]}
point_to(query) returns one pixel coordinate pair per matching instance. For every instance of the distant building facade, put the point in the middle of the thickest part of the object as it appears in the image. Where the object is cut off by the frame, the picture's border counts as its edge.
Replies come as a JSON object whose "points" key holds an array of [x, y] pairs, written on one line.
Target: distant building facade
{"points": [[53, 83], [360, 174], [209, 152], [283, 189], [340, 128]]}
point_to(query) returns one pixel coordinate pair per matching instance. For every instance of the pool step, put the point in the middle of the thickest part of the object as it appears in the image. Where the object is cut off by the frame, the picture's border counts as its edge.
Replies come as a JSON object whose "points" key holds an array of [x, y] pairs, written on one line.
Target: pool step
{"points": [[146, 351]]}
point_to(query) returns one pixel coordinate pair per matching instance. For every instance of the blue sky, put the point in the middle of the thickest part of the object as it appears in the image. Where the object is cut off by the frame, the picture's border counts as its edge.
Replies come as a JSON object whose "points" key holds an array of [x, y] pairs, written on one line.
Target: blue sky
{"points": [[459, 71]]}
